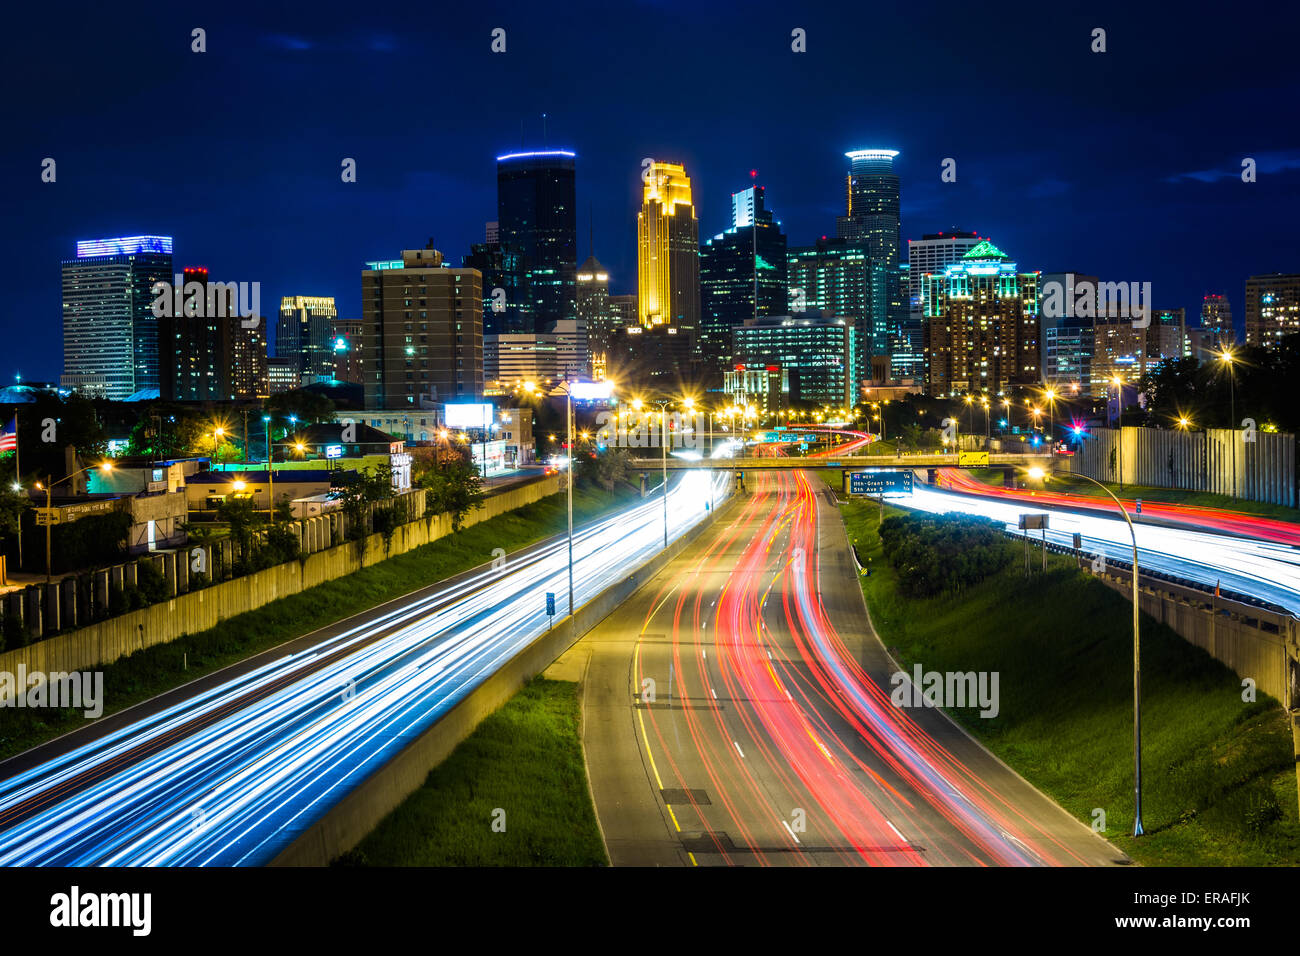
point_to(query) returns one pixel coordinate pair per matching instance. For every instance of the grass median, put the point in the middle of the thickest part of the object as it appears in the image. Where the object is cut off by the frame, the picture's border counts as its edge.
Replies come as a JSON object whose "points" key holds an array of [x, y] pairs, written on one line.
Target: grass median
{"points": [[513, 793], [157, 669], [1219, 778]]}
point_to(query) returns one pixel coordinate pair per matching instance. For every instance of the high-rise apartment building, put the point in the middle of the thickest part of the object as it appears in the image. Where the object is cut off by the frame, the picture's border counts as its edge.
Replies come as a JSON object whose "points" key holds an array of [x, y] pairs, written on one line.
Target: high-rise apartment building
{"points": [[982, 325], [422, 331], [537, 217], [742, 276], [305, 335], [110, 332], [346, 348], [668, 252], [506, 306], [926, 256], [1272, 308], [1216, 320], [250, 375]]}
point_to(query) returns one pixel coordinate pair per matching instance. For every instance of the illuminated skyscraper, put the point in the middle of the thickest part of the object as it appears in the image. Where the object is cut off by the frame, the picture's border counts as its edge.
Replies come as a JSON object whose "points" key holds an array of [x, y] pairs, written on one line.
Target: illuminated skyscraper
{"points": [[1272, 308], [110, 333], [871, 219], [668, 252], [982, 325], [736, 266], [839, 279], [537, 217], [305, 335], [194, 346]]}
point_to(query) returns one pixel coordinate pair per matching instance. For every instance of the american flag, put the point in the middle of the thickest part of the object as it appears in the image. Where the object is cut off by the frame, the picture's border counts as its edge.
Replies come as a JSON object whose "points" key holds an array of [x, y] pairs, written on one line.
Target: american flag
{"points": [[9, 436]]}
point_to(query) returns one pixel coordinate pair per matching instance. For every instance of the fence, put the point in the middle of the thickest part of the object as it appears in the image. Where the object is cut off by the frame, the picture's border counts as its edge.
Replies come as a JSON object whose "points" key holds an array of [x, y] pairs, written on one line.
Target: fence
{"points": [[75, 605], [1218, 460]]}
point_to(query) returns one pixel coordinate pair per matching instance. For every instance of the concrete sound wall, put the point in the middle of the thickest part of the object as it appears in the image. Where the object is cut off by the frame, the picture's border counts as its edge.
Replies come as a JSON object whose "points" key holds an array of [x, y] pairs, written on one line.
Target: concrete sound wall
{"points": [[98, 644], [348, 822], [1254, 642], [1263, 468]]}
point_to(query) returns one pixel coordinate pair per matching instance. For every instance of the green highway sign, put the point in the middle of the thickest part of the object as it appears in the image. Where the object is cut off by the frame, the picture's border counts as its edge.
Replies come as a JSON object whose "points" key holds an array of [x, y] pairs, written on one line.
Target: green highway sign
{"points": [[880, 483]]}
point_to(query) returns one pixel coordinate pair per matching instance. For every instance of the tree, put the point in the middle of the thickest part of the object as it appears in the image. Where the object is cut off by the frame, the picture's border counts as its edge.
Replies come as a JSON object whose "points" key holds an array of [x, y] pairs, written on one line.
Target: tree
{"points": [[50, 424], [455, 490], [307, 406], [240, 514], [360, 491]]}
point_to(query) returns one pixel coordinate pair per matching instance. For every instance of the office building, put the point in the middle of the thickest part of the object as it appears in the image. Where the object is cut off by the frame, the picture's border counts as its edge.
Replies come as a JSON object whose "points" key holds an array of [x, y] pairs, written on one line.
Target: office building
{"points": [[506, 306], [926, 256], [110, 332], [422, 331], [656, 359], [668, 252], [1272, 308], [871, 218], [982, 325], [838, 278], [815, 354], [537, 217], [595, 314], [305, 335], [763, 388], [195, 346], [742, 276]]}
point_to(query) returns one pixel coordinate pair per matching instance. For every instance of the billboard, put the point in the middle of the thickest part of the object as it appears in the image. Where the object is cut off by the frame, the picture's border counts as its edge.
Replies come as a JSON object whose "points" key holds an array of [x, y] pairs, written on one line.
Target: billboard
{"points": [[880, 483], [468, 415]]}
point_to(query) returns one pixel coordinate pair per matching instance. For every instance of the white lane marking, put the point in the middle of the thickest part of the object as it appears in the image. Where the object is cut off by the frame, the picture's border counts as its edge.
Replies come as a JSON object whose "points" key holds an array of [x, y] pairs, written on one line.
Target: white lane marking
{"points": [[705, 652], [791, 832], [769, 656], [739, 751], [895, 829], [714, 693]]}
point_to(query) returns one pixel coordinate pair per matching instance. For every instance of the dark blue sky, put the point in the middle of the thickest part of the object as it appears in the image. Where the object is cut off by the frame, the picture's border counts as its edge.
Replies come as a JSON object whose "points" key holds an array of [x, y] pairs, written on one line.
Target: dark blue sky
{"points": [[1124, 164]]}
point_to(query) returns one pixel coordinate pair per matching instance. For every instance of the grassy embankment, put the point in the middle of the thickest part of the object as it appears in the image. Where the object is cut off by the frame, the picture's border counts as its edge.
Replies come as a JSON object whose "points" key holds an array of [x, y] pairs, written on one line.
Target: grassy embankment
{"points": [[154, 670], [1084, 489], [521, 769], [1219, 778]]}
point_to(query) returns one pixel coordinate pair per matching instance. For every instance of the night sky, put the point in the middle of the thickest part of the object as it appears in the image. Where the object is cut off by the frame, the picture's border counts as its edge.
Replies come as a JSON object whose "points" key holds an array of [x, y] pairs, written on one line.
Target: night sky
{"points": [[1124, 164]]}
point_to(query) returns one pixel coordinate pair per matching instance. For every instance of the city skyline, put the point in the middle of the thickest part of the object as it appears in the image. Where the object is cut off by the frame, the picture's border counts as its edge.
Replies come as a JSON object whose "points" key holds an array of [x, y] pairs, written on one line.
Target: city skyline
{"points": [[1180, 223]]}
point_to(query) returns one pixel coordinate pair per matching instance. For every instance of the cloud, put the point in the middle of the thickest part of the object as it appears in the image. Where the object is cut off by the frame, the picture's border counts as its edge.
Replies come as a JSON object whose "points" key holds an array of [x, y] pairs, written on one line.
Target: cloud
{"points": [[1265, 163]]}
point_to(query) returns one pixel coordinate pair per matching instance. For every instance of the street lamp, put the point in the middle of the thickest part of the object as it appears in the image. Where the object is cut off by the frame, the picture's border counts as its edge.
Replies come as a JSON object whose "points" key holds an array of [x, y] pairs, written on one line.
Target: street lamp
{"points": [[49, 506], [1227, 357], [270, 472], [583, 390], [1039, 473]]}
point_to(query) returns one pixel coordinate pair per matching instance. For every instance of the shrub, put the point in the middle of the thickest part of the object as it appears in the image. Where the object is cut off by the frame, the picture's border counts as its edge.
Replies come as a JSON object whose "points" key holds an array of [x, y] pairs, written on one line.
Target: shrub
{"points": [[942, 554]]}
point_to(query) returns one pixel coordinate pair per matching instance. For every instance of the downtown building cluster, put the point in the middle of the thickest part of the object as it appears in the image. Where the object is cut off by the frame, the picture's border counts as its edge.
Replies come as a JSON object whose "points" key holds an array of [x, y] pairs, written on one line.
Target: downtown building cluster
{"points": [[744, 313]]}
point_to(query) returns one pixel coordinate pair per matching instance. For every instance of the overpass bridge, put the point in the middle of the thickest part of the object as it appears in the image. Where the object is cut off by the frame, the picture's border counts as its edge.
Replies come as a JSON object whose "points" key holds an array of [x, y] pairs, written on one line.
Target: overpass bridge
{"points": [[1008, 460]]}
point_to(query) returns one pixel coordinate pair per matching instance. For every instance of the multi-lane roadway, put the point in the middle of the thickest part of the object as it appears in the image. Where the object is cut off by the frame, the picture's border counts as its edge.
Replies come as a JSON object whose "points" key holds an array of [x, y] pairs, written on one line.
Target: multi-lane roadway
{"points": [[738, 712]]}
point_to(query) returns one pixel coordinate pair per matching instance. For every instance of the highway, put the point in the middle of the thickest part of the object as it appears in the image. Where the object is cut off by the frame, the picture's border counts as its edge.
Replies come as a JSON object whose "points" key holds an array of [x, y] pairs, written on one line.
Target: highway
{"points": [[1267, 570], [228, 773], [738, 712]]}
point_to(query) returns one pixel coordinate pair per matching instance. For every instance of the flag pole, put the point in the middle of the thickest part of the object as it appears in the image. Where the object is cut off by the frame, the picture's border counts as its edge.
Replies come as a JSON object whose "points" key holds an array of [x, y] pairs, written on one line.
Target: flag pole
{"points": [[18, 480]]}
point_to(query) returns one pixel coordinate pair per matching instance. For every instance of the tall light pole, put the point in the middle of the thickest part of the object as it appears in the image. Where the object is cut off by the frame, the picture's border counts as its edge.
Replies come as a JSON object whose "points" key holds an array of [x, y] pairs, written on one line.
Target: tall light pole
{"points": [[1137, 652], [584, 390], [49, 507], [1227, 358], [663, 447], [270, 471]]}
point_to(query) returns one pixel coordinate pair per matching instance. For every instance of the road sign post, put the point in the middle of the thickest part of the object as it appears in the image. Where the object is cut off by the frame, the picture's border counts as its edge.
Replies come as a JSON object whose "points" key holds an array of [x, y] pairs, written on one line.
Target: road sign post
{"points": [[550, 609]]}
